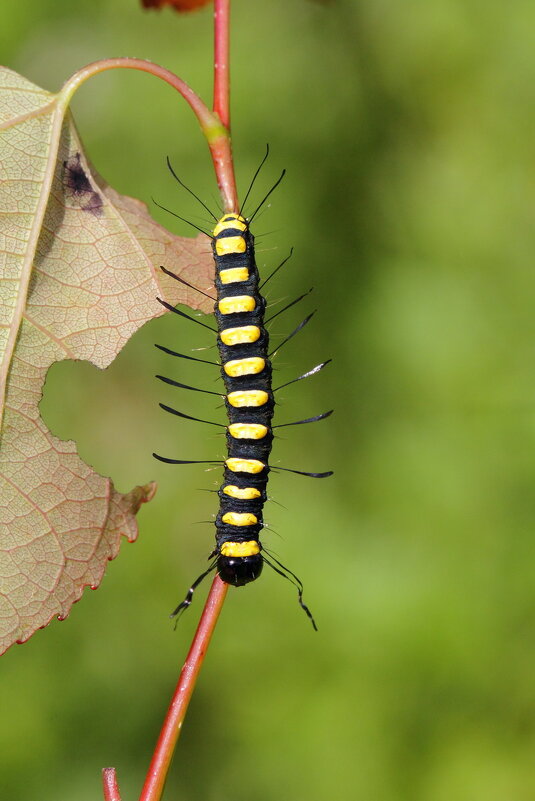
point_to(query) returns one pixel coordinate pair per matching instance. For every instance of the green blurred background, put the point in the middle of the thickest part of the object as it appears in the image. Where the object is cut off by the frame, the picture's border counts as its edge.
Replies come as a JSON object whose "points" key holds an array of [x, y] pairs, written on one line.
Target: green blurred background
{"points": [[407, 131]]}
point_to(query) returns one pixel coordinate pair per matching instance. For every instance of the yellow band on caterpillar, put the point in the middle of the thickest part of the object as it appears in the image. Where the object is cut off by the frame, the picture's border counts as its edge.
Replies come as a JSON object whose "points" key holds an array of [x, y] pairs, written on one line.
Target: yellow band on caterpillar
{"points": [[230, 244], [250, 366], [247, 430], [234, 275], [241, 335], [236, 304], [247, 397], [230, 221], [244, 465], [240, 548], [242, 494], [239, 518]]}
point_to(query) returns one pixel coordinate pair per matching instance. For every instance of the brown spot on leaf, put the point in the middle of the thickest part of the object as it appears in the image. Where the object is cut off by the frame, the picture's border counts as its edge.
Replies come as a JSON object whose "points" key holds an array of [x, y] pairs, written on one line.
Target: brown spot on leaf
{"points": [[79, 188]]}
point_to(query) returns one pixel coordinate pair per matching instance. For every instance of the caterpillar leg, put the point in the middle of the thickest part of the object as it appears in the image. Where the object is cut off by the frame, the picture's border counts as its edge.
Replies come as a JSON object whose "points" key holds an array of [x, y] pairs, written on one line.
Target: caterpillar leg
{"points": [[189, 595]]}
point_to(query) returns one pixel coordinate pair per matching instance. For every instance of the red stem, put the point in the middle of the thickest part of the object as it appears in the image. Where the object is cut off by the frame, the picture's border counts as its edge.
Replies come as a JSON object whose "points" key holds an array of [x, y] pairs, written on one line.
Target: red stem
{"points": [[161, 760], [216, 128], [203, 114], [221, 61], [111, 788], [220, 148]]}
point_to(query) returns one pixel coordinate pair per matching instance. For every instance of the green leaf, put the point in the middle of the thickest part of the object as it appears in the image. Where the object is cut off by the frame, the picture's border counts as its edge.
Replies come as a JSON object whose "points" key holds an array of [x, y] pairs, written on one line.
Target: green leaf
{"points": [[79, 276]]}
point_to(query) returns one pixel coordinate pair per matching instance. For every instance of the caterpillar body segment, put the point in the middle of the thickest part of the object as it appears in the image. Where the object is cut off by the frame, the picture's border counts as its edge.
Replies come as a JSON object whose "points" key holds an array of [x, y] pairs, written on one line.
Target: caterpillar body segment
{"points": [[247, 374]]}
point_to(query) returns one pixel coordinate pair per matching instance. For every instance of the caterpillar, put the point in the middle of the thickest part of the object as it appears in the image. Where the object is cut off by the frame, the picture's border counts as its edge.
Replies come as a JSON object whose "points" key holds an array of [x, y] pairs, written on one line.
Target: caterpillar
{"points": [[246, 369]]}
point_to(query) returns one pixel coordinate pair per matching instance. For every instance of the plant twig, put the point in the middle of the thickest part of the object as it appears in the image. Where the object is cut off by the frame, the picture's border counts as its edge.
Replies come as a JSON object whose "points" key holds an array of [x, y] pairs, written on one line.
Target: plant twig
{"points": [[172, 726], [111, 788], [163, 753], [215, 126], [221, 61]]}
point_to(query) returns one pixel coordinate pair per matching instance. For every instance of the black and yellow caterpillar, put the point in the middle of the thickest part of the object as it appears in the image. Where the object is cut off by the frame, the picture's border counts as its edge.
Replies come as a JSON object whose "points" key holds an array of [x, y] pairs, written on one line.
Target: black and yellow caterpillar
{"points": [[243, 344]]}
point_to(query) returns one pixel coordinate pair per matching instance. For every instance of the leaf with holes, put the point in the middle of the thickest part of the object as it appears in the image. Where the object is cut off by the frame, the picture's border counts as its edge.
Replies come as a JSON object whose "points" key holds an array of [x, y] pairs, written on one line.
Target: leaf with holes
{"points": [[78, 278]]}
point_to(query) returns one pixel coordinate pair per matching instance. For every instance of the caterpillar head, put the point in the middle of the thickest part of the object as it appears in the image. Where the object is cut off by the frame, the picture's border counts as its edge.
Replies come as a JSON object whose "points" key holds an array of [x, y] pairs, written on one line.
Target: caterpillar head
{"points": [[239, 563]]}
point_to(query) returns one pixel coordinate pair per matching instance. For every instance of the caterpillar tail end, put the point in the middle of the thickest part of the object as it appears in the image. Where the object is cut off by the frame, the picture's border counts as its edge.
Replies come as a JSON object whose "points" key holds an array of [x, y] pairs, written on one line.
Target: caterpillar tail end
{"points": [[239, 570]]}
